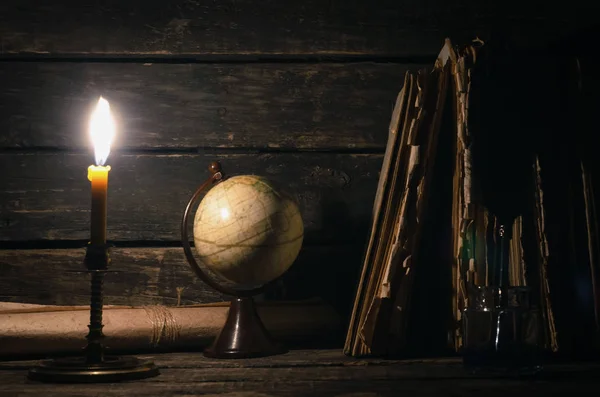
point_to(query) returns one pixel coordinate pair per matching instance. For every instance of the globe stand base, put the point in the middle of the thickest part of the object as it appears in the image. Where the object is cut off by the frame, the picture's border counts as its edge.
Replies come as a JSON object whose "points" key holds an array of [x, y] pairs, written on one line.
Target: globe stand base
{"points": [[244, 334]]}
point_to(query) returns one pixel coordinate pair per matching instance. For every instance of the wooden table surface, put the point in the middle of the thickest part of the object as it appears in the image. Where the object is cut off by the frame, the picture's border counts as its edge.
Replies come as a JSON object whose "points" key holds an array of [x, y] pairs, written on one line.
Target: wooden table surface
{"points": [[312, 373]]}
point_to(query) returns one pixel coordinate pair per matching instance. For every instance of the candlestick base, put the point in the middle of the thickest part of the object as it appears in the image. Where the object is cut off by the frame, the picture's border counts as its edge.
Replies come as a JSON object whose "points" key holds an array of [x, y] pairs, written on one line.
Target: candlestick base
{"points": [[78, 370]]}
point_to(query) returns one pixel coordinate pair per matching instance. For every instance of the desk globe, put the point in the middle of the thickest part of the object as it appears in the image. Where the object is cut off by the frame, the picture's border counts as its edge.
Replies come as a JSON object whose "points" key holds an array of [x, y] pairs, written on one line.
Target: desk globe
{"points": [[249, 234]]}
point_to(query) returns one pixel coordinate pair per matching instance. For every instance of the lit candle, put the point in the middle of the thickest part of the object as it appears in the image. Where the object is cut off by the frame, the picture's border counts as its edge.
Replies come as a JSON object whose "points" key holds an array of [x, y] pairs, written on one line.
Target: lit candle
{"points": [[102, 131]]}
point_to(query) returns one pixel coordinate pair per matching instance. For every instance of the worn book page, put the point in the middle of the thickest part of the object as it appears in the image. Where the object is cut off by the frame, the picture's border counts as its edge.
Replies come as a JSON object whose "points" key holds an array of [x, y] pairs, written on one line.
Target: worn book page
{"points": [[370, 309], [376, 220], [427, 138], [543, 254]]}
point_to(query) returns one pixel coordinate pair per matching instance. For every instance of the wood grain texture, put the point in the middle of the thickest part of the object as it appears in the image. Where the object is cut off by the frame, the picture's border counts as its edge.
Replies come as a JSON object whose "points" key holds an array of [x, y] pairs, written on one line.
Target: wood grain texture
{"points": [[270, 27], [143, 276], [312, 373], [146, 276], [298, 106], [17, 386], [46, 196], [200, 27]]}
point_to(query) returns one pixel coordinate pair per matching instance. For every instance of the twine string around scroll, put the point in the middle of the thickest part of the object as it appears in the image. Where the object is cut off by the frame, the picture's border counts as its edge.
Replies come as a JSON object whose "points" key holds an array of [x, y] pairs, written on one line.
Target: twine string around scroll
{"points": [[164, 327]]}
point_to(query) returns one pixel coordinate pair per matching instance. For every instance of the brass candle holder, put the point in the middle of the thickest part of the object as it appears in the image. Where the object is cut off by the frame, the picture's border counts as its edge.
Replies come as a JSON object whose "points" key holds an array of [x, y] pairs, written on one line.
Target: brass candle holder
{"points": [[94, 366]]}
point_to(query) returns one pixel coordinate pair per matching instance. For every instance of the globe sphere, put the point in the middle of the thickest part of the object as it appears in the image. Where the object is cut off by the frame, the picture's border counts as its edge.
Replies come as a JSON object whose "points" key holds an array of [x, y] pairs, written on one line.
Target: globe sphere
{"points": [[246, 231]]}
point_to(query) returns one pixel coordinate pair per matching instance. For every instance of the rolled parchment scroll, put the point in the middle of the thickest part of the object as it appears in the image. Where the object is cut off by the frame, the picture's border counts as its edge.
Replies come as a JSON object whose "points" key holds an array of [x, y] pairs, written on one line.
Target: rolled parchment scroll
{"points": [[46, 330]]}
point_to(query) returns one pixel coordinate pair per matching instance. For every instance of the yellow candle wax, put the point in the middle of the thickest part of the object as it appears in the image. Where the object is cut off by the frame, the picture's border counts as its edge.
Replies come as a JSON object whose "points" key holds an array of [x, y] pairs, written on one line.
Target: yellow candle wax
{"points": [[98, 176], [102, 130]]}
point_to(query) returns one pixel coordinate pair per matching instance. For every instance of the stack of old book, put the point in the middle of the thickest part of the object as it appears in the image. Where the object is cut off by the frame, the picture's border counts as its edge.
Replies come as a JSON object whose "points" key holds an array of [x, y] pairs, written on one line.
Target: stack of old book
{"points": [[438, 226], [380, 314]]}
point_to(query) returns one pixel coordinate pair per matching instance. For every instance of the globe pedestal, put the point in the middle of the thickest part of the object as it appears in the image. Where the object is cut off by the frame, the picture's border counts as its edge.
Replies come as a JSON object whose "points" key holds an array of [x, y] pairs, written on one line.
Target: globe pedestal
{"points": [[243, 335]]}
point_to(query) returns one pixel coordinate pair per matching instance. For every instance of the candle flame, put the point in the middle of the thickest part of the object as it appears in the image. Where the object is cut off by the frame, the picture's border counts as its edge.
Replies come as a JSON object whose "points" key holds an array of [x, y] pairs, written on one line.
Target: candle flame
{"points": [[102, 130]]}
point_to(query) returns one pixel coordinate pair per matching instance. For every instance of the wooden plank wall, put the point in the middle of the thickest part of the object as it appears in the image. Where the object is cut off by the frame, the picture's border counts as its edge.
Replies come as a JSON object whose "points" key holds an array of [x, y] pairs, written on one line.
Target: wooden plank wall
{"points": [[300, 91]]}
